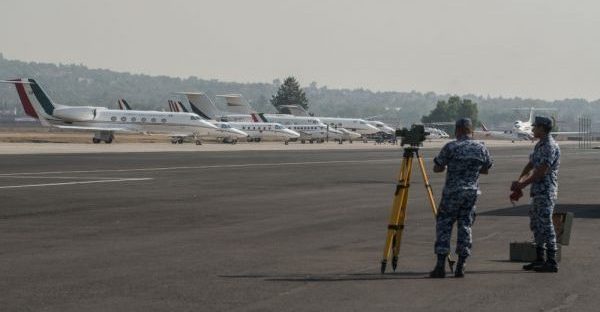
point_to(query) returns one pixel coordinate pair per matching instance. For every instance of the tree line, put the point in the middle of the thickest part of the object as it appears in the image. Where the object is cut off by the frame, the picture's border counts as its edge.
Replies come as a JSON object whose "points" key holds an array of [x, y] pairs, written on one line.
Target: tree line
{"points": [[72, 84]]}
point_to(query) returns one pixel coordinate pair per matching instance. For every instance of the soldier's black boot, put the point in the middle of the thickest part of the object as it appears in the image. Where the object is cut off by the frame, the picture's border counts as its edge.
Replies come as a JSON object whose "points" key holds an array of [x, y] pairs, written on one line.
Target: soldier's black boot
{"points": [[539, 260], [440, 267], [460, 267], [550, 265]]}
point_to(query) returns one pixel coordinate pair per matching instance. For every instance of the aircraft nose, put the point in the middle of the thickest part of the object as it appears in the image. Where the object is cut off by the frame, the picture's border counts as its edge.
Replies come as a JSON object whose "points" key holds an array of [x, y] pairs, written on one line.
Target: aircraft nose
{"points": [[293, 134], [240, 133]]}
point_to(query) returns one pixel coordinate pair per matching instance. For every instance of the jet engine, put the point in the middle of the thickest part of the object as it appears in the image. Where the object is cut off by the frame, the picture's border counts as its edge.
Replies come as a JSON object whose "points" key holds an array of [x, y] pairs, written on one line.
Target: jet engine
{"points": [[75, 113]]}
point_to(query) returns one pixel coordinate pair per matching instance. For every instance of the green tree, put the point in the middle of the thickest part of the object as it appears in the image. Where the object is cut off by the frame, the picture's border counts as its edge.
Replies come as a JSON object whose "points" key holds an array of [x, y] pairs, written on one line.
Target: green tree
{"points": [[290, 93], [452, 110]]}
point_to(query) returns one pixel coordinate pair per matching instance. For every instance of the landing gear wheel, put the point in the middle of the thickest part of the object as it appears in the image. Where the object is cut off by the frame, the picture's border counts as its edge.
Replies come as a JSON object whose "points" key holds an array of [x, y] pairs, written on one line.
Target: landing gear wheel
{"points": [[302, 141], [198, 142], [95, 141], [108, 141], [286, 142], [180, 141]]}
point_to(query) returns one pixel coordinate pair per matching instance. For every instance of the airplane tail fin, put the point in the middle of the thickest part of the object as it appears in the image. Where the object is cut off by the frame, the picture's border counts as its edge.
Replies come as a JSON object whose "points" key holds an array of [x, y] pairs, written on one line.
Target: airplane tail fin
{"points": [[35, 101], [295, 110], [484, 127], [262, 117], [177, 107], [172, 107], [181, 107], [255, 117], [237, 104], [531, 115], [123, 105], [201, 104]]}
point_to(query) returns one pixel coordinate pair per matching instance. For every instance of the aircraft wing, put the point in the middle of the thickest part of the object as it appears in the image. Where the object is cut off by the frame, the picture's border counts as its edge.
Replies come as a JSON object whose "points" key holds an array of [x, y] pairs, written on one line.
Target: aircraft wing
{"points": [[96, 128], [170, 134], [304, 133]]}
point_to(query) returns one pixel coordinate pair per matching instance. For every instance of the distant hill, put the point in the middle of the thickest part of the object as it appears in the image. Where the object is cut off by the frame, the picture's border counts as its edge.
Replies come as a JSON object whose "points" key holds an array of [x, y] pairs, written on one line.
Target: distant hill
{"points": [[78, 85]]}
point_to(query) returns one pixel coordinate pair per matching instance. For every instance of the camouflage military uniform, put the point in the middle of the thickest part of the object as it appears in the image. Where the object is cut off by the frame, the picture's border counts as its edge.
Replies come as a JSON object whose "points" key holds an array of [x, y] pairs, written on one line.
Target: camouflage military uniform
{"points": [[464, 159], [544, 192]]}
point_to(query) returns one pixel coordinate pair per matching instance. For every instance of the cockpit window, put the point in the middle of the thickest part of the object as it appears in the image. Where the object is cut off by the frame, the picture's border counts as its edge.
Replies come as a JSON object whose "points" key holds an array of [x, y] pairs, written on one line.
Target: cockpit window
{"points": [[278, 127], [225, 126]]}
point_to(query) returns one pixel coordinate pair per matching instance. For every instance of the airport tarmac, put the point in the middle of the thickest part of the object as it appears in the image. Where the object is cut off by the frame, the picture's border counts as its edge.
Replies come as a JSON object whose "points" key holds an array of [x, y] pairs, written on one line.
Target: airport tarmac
{"points": [[271, 230], [20, 148]]}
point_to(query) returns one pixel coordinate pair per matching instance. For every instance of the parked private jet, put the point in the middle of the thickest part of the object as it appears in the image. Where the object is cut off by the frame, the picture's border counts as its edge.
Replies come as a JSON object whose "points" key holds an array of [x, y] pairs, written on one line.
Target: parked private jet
{"points": [[521, 130], [268, 131], [224, 133], [105, 122], [235, 103]]}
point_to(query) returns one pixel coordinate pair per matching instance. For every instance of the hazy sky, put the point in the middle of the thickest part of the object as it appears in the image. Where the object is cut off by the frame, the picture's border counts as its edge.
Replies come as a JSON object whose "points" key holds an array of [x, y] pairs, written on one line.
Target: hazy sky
{"points": [[541, 49]]}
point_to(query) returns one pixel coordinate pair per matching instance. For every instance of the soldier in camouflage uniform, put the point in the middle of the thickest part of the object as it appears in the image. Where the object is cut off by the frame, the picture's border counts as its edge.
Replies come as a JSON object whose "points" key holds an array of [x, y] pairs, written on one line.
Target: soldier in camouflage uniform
{"points": [[465, 160], [544, 161]]}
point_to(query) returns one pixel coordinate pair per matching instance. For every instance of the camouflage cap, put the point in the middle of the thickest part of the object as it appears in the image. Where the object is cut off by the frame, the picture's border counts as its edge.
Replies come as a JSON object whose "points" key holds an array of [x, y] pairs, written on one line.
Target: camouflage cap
{"points": [[543, 122], [464, 123]]}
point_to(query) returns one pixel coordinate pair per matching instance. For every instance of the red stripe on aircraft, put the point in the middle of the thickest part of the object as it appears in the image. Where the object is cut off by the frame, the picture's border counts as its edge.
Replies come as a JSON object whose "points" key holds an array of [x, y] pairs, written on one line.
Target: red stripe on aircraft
{"points": [[25, 100]]}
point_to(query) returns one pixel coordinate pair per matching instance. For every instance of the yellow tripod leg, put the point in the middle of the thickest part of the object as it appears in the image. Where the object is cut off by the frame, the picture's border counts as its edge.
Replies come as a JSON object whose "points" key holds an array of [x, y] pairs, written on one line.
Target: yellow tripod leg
{"points": [[451, 261], [395, 214], [402, 215], [427, 185]]}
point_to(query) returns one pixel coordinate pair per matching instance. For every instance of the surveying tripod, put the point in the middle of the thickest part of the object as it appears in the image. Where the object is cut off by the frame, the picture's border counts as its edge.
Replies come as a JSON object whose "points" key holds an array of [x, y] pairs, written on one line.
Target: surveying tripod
{"points": [[398, 215]]}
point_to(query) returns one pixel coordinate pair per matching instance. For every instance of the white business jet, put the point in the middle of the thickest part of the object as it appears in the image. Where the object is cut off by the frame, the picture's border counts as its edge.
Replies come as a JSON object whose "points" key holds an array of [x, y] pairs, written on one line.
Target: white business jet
{"points": [[202, 105], [103, 121]]}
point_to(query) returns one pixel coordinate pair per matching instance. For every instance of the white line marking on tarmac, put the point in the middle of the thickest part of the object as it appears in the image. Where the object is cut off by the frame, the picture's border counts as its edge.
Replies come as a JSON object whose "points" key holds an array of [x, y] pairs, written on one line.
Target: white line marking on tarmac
{"points": [[208, 167], [56, 177], [72, 183]]}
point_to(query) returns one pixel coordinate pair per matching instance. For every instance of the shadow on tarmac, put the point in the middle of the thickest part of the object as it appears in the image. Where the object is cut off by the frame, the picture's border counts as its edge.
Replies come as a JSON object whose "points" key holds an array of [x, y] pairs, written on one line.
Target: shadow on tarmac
{"points": [[333, 277], [351, 277], [580, 211]]}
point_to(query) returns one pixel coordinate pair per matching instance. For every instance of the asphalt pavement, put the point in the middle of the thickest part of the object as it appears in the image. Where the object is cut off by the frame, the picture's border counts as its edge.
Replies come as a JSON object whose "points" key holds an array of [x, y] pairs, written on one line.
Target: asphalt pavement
{"points": [[271, 231]]}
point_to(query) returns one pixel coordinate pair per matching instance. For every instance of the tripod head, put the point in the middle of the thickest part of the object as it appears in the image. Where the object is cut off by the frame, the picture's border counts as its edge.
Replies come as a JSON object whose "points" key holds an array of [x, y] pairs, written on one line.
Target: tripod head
{"points": [[413, 137]]}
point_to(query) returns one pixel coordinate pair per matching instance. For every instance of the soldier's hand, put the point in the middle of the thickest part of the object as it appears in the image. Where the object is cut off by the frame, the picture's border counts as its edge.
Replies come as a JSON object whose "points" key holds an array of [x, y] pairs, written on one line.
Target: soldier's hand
{"points": [[514, 186], [515, 195]]}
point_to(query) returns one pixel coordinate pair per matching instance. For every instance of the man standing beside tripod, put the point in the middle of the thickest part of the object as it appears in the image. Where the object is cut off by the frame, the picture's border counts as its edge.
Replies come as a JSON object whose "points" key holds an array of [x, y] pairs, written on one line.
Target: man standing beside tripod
{"points": [[464, 159]]}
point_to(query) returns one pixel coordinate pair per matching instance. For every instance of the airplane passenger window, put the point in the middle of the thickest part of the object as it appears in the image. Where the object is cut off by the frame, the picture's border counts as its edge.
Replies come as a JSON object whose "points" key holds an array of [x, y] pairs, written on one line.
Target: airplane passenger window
{"points": [[133, 119], [153, 120], [163, 120], [113, 118], [143, 119], [123, 118]]}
